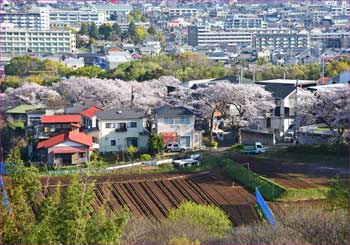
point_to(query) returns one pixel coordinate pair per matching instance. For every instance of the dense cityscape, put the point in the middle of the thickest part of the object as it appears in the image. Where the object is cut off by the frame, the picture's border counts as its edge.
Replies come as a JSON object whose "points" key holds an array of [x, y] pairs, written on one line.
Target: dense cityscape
{"points": [[174, 122]]}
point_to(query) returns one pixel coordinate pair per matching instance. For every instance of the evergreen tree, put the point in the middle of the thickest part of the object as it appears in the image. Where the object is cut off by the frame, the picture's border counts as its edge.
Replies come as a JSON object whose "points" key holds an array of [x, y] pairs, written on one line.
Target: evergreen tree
{"points": [[116, 29], [84, 29], [93, 31], [14, 156], [17, 222], [151, 30], [75, 210], [155, 143], [105, 30], [104, 229], [132, 30]]}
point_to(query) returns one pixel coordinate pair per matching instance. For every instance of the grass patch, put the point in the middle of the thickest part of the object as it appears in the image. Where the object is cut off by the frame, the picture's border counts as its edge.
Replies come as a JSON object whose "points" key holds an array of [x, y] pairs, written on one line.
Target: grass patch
{"points": [[270, 190], [283, 154]]}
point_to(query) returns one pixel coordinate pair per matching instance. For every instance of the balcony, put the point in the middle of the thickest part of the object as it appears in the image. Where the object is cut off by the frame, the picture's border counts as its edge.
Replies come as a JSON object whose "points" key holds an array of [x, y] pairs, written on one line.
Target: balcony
{"points": [[121, 129]]}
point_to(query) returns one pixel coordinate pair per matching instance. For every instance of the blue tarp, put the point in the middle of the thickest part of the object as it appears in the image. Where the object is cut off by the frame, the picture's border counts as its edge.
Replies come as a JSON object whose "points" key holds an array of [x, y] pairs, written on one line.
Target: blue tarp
{"points": [[264, 207]]}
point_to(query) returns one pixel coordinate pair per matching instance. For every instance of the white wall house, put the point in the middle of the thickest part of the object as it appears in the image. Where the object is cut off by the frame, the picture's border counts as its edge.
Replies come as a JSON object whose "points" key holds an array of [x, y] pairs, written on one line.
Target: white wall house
{"points": [[176, 124], [120, 128]]}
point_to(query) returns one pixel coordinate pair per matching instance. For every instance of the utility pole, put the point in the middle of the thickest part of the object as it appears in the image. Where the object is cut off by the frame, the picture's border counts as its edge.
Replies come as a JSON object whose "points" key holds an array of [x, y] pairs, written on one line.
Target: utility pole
{"points": [[132, 96], [295, 110], [241, 80], [254, 73], [322, 69]]}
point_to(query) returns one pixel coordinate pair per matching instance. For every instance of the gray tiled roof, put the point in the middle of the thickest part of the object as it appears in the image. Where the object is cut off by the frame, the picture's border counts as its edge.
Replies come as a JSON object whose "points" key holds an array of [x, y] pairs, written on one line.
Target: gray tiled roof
{"points": [[120, 114], [280, 90], [168, 110]]}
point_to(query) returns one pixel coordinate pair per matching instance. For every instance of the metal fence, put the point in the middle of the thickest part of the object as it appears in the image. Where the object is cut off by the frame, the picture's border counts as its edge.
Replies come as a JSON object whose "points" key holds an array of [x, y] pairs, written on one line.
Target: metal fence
{"points": [[264, 207]]}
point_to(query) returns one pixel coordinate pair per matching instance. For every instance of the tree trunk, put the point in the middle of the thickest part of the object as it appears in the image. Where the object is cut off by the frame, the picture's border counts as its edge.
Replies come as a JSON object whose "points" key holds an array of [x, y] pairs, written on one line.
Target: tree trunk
{"points": [[211, 126], [237, 135]]}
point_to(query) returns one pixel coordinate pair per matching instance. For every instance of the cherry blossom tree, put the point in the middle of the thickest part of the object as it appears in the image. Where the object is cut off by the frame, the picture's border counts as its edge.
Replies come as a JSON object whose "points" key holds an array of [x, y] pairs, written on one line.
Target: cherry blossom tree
{"points": [[328, 105], [28, 93], [237, 103], [117, 93]]}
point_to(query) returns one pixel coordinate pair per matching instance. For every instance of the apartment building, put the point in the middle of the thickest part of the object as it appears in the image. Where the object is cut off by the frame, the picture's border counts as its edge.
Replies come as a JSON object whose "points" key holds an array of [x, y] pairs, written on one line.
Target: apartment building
{"points": [[283, 41], [22, 41], [182, 11], [38, 18], [198, 36], [64, 17], [243, 21], [331, 39]]}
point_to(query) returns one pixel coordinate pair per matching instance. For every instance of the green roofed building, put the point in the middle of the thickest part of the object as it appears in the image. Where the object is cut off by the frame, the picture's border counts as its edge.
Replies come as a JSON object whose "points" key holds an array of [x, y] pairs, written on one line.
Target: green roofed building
{"points": [[17, 116]]}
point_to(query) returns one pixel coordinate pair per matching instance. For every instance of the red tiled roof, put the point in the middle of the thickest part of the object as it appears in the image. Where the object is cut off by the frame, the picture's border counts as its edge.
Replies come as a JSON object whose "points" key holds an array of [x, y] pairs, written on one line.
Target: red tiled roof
{"points": [[61, 119], [81, 138], [67, 150], [90, 112]]}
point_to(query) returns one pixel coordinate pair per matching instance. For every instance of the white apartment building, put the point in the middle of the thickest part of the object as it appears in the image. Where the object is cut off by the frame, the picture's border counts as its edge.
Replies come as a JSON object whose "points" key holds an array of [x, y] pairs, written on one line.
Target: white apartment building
{"points": [[202, 37], [64, 17], [243, 21], [182, 11], [341, 9], [38, 18], [22, 41]]}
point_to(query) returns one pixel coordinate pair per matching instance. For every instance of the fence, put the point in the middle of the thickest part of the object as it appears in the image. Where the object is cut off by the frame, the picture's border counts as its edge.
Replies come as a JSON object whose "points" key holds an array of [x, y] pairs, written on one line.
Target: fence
{"points": [[264, 207], [2, 186]]}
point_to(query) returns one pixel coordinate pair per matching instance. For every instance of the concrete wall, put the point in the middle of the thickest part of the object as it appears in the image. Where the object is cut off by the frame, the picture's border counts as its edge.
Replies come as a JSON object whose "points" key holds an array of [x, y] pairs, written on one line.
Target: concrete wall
{"points": [[249, 137]]}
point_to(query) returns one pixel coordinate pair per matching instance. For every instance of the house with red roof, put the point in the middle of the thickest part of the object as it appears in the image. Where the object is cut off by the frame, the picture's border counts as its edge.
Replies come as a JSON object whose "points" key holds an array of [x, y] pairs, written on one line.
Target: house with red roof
{"points": [[68, 148], [51, 125], [89, 116]]}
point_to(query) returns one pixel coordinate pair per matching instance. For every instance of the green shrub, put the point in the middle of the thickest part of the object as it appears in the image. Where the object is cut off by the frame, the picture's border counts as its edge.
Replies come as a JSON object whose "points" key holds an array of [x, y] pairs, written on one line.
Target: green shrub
{"points": [[94, 157], [236, 147], [145, 157], [215, 221], [131, 152], [206, 141]]}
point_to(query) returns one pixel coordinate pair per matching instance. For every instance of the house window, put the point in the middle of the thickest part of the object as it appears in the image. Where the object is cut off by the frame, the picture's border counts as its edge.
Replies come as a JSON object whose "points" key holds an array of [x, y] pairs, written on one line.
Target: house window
{"points": [[278, 111], [168, 120], [109, 125], [185, 120], [286, 111], [132, 141], [132, 124], [113, 142]]}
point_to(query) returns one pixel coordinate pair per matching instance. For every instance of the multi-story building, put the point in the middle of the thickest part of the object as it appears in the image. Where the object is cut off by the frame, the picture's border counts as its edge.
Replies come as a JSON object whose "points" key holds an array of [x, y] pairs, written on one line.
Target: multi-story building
{"points": [[242, 21], [283, 41], [198, 36], [331, 39], [38, 18], [64, 17], [176, 124], [182, 11], [22, 41], [121, 128]]}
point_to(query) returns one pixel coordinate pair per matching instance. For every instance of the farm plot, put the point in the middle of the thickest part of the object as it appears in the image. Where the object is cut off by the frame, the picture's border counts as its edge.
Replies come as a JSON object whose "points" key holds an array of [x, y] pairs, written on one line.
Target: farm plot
{"points": [[153, 195], [289, 175]]}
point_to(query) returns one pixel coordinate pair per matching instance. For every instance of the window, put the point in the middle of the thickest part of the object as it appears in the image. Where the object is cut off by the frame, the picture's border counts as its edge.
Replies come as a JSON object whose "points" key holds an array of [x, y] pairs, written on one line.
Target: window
{"points": [[132, 124], [185, 120], [132, 141], [109, 125], [168, 120], [113, 142]]}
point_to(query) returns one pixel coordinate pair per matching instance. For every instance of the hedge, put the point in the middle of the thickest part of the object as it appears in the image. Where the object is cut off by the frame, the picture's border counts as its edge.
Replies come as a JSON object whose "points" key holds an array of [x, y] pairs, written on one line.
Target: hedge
{"points": [[268, 188]]}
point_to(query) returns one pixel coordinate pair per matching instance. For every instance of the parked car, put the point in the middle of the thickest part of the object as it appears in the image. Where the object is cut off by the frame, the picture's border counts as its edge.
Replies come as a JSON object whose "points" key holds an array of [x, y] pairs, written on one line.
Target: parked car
{"points": [[174, 147], [254, 149], [186, 162]]}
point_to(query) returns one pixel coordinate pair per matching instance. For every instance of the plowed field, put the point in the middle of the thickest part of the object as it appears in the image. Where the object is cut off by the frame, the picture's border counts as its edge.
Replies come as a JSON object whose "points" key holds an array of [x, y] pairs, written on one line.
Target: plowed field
{"points": [[153, 195]]}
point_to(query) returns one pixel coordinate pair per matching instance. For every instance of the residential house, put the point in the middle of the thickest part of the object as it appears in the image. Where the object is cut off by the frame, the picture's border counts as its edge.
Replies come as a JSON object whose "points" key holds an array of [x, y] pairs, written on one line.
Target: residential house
{"points": [[282, 118], [17, 117], [343, 77], [89, 116], [72, 147], [121, 128], [176, 124], [51, 125]]}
